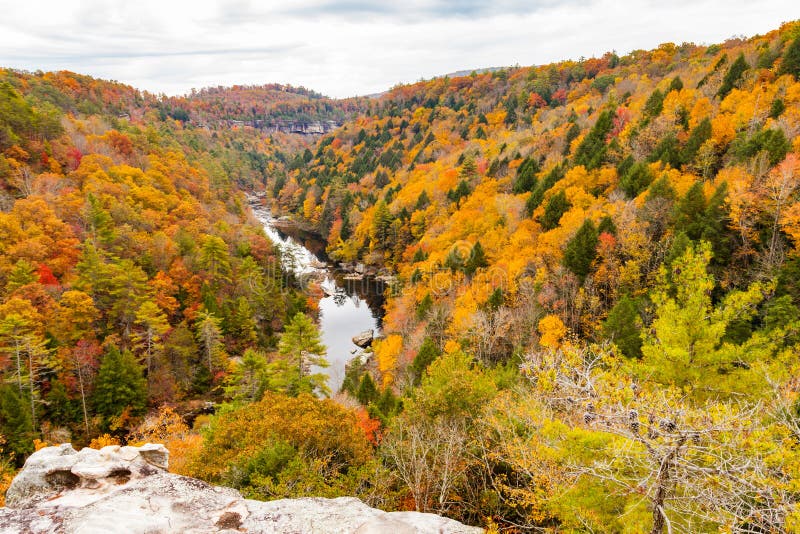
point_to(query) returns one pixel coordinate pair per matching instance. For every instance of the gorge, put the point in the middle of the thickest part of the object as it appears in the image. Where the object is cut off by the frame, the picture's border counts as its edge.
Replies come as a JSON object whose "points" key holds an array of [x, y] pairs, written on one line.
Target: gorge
{"points": [[349, 304]]}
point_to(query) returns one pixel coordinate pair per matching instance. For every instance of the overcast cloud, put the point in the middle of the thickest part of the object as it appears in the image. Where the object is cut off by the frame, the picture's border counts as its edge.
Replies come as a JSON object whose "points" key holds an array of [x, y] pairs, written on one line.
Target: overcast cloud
{"points": [[346, 48]]}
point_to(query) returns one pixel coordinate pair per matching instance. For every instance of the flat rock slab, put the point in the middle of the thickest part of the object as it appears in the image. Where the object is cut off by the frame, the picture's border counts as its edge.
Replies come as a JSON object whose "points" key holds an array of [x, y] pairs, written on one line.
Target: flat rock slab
{"points": [[127, 490]]}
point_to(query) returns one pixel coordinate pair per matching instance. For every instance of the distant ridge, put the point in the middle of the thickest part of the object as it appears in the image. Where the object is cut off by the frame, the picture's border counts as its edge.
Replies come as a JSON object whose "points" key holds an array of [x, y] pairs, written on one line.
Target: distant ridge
{"points": [[460, 73]]}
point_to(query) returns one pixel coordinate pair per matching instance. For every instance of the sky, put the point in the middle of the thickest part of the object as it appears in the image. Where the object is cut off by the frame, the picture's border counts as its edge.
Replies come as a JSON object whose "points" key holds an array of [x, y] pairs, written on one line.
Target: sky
{"points": [[351, 47]]}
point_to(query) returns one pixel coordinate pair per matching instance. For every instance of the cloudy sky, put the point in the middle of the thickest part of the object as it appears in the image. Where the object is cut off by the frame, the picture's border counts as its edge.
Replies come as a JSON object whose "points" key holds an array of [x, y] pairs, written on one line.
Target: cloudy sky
{"points": [[350, 47]]}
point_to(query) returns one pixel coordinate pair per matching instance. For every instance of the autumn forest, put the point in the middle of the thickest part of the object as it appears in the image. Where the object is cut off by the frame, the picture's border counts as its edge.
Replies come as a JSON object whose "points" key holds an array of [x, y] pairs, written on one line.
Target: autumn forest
{"points": [[591, 316]]}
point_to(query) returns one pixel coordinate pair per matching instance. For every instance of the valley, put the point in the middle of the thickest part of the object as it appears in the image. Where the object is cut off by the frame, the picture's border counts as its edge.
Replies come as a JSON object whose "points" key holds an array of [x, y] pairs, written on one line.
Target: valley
{"points": [[581, 278], [349, 304]]}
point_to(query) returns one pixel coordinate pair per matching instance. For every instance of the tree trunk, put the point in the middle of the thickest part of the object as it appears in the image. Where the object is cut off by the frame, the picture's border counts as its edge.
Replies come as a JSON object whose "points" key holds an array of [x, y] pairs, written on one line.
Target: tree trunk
{"points": [[662, 489], [83, 398], [30, 386], [19, 366]]}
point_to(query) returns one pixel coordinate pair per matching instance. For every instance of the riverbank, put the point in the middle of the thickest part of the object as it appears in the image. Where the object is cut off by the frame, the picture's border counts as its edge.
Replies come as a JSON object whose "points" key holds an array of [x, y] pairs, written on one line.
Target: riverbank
{"points": [[350, 304]]}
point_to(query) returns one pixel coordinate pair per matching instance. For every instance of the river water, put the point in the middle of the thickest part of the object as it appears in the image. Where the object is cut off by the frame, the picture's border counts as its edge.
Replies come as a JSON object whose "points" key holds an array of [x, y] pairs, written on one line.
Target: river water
{"points": [[348, 307]]}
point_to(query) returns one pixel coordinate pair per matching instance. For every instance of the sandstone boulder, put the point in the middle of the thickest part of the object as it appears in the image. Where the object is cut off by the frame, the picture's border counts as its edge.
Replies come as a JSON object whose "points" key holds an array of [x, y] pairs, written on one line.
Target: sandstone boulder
{"points": [[364, 339], [128, 490]]}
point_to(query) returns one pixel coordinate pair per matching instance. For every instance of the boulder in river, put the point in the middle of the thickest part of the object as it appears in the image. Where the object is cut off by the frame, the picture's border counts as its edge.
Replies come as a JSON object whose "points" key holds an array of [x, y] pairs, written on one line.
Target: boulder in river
{"points": [[364, 339]]}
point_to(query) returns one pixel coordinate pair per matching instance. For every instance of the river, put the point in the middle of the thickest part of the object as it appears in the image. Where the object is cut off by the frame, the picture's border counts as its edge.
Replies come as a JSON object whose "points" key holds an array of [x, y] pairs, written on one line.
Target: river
{"points": [[348, 307]]}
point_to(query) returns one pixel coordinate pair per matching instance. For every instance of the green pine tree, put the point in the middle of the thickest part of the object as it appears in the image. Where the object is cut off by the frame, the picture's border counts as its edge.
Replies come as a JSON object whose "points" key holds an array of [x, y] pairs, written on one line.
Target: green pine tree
{"points": [[622, 327], [381, 226], [636, 179], [22, 274], [582, 250], [732, 77], [367, 391], [477, 259], [15, 422], [120, 385], [591, 153], [555, 208], [654, 104], [689, 212], [427, 353], [526, 176], [537, 196], [791, 59], [699, 135], [301, 346]]}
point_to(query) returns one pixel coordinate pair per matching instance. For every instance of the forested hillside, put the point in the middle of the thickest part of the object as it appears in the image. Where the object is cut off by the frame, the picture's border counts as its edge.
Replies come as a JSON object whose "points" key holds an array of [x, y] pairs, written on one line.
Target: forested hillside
{"points": [[130, 268], [594, 325], [624, 231], [260, 106]]}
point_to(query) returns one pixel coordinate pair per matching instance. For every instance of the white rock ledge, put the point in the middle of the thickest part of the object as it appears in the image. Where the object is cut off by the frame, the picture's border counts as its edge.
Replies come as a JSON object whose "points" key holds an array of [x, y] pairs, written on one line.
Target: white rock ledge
{"points": [[128, 490]]}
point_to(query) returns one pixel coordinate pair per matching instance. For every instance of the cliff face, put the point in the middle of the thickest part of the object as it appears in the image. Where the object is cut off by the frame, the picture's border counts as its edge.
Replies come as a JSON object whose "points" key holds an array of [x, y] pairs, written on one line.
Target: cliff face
{"points": [[288, 126], [128, 490]]}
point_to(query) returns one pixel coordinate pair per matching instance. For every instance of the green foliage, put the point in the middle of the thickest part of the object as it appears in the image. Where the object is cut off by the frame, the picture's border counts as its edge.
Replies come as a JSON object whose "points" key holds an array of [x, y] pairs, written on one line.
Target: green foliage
{"points": [[537, 196], [247, 382], [120, 386], [660, 189], [732, 77], [771, 141], [476, 260], [16, 116], [667, 151], [572, 134], [636, 179], [654, 104], [676, 84], [581, 250], [301, 348], [689, 212], [462, 190], [22, 274], [776, 108], [780, 313], [496, 299], [381, 226], [591, 153], [684, 346], [680, 243], [387, 406], [265, 466], [424, 306], [556, 206], [367, 390], [214, 257], [455, 260], [59, 406], [259, 447], [423, 201], [15, 422], [623, 327], [699, 135], [526, 176], [790, 64], [607, 226], [427, 353], [453, 386]]}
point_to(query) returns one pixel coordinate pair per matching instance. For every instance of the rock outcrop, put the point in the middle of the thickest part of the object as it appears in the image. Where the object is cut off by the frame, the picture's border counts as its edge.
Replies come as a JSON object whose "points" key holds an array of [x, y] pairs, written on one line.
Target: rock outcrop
{"points": [[128, 490], [364, 339], [309, 127]]}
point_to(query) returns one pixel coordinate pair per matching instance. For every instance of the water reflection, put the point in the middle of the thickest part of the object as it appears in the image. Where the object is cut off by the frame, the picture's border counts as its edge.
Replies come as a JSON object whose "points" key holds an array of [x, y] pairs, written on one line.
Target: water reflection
{"points": [[348, 307]]}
